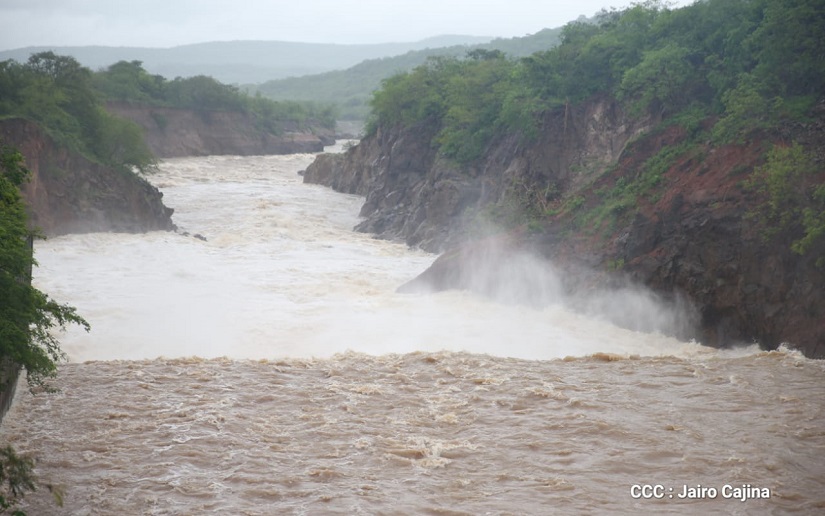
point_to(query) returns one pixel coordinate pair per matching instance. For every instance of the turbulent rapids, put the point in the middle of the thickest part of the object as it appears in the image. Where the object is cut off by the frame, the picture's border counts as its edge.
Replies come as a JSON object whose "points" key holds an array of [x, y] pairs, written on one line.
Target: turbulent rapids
{"points": [[272, 368]]}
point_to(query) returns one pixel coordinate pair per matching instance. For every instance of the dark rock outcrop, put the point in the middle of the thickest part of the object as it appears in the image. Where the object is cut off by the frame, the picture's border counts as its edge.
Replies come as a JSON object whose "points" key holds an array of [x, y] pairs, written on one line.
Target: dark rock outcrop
{"points": [[415, 196], [692, 242], [172, 132], [67, 193], [699, 238]]}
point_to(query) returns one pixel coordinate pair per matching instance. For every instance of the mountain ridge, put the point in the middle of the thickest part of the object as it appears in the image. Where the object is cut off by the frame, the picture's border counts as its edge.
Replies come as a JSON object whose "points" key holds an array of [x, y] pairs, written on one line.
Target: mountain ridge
{"points": [[241, 61], [350, 88]]}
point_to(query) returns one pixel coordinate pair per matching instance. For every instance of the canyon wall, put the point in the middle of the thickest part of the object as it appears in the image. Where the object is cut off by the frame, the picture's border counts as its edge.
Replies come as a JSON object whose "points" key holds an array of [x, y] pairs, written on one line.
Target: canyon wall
{"points": [[172, 132], [416, 196], [67, 193], [691, 238]]}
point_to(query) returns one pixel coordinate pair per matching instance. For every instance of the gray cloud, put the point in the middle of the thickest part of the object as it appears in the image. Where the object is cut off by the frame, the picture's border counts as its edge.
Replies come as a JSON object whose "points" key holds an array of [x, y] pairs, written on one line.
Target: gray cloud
{"points": [[159, 23]]}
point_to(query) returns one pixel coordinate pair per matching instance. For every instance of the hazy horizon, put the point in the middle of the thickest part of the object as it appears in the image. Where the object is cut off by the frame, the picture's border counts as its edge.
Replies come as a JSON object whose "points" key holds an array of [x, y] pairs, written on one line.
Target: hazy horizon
{"points": [[433, 37], [164, 24]]}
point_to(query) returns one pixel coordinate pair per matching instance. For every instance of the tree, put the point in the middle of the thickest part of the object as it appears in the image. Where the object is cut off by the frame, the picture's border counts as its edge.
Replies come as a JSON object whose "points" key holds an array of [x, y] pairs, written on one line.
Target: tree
{"points": [[27, 315], [127, 81], [120, 144], [752, 63], [58, 93], [26, 318], [746, 109], [790, 197], [474, 95], [780, 178], [660, 79], [16, 477], [790, 47]]}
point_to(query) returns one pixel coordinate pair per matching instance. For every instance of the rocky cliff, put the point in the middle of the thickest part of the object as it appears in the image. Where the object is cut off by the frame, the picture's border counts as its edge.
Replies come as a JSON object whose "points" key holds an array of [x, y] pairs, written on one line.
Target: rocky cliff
{"points": [[689, 237], [67, 193], [416, 196], [172, 132]]}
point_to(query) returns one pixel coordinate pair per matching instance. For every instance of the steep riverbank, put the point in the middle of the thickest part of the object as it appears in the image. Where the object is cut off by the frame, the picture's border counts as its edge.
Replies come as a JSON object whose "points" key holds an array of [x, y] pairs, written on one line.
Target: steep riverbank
{"points": [[173, 132], [415, 195], [683, 228], [67, 193]]}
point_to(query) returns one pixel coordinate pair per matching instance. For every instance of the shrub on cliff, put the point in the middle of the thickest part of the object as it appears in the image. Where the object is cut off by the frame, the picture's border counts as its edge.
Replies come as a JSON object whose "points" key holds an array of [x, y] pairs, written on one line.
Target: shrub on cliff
{"points": [[27, 315], [789, 197], [128, 81], [751, 63], [56, 91], [466, 98], [16, 478]]}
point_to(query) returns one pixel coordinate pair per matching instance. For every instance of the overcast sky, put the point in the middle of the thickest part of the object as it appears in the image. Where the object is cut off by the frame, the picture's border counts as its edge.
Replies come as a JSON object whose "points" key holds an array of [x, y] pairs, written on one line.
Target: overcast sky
{"points": [[165, 23]]}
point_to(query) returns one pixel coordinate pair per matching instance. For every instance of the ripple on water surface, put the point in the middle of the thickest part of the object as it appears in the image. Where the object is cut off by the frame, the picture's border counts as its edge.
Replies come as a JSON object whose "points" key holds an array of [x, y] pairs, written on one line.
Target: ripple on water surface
{"points": [[425, 432], [425, 415]]}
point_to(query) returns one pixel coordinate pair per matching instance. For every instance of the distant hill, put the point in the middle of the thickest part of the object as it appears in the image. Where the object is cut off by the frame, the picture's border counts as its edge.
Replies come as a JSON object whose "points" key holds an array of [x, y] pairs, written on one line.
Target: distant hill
{"points": [[350, 89], [242, 62]]}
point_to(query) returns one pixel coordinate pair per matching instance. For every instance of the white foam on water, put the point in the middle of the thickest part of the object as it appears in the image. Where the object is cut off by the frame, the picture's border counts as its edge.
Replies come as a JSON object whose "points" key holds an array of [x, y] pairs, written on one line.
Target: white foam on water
{"points": [[282, 274]]}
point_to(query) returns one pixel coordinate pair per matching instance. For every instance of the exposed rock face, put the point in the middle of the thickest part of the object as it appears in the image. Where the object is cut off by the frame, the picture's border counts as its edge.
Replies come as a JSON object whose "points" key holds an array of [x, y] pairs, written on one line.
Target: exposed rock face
{"points": [[172, 133], [698, 238], [69, 194], [693, 241], [415, 196]]}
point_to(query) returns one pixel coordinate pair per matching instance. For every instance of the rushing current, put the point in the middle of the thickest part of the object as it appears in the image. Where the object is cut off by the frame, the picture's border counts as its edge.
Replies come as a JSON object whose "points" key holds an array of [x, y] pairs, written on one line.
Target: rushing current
{"points": [[264, 364]]}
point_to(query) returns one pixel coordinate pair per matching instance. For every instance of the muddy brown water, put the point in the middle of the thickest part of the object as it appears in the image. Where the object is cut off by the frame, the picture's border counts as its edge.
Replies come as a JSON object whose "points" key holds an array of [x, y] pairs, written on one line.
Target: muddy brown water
{"points": [[292, 379]]}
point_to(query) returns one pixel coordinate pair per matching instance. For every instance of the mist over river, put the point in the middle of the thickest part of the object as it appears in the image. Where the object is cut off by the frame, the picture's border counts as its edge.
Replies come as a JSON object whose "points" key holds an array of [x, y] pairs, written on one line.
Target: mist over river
{"points": [[272, 369]]}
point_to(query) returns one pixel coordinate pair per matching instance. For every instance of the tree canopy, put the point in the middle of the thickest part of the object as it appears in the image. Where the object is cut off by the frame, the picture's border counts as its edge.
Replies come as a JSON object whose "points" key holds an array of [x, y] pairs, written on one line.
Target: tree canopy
{"points": [[67, 100], [349, 90], [57, 92], [749, 62], [128, 81]]}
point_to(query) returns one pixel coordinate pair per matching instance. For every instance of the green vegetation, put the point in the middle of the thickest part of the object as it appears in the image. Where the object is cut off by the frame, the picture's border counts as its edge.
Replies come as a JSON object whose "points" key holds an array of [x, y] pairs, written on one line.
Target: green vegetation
{"points": [[748, 62], [747, 65], [471, 99], [520, 203], [27, 318], [57, 92], [619, 203], [129, 82], [244, 62], [27, 315], [790, 197], [16, 477], [66, 99], [350, 89]]}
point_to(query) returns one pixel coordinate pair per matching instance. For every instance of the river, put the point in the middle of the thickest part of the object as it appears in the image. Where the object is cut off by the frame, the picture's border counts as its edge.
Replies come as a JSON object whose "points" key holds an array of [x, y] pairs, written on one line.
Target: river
{"points": [[271, 368]]}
